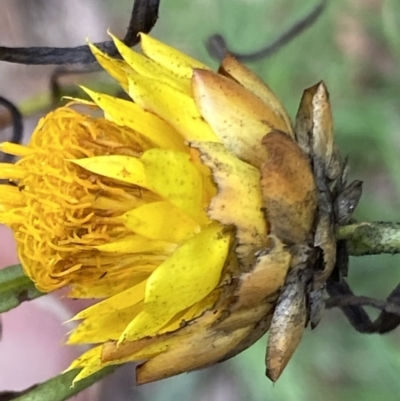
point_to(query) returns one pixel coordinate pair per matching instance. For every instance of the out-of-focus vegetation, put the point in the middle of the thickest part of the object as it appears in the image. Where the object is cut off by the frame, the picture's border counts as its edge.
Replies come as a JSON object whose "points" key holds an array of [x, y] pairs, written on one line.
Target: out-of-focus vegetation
{"points": [[355, 49]]}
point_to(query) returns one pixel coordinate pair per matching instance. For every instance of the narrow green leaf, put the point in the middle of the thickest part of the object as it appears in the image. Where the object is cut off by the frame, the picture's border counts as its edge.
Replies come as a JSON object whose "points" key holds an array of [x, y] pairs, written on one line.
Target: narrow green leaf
{"points": [[15, 288]]}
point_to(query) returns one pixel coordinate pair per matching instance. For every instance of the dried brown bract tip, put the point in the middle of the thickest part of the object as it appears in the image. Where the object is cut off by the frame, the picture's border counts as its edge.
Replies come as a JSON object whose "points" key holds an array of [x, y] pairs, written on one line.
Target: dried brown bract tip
{"points": [[288, 189], [305, 194], [287, 326]]}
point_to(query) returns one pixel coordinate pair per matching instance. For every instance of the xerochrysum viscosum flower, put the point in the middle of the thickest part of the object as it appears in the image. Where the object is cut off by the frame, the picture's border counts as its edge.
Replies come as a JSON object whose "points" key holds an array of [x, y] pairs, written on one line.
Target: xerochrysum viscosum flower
{"points": [[183, 210]]}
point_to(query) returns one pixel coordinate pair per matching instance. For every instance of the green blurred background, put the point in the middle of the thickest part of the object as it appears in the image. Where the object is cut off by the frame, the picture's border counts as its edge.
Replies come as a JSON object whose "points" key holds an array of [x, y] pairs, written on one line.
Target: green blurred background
{"points": [[355, 48]]}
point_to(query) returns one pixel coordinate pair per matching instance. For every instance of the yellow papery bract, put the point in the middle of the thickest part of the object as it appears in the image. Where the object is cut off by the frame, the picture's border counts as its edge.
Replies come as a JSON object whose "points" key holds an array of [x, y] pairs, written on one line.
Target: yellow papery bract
{"points": [[165, 295], [199, 350], [173, 176], [268, 273], [122, 300], [105, 327], [150, 69], [233, 68], [142, 349], [124, 168], [147, 323], [233, 204], [176, 108], [108, 285], [151, 346], [198, 264], [198, 308], [169, 58], [242, 119], [93, 355], [161, 221], [90, 361], [126, 113], [116, 68]]}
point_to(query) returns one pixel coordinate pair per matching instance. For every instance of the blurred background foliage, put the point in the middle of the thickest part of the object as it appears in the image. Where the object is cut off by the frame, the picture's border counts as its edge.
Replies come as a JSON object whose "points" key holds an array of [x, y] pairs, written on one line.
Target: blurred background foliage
{"points": [[355, 48]]}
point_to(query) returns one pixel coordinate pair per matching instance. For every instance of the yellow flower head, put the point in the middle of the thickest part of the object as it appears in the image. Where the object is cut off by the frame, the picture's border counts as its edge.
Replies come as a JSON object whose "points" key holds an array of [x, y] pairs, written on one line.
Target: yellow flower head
{"points": [[166, 208]]}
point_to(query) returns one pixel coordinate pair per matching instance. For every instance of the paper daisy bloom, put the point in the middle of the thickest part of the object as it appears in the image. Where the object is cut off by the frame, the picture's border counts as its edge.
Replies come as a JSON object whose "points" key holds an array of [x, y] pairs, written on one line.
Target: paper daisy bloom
{"points": [[182, 210]]}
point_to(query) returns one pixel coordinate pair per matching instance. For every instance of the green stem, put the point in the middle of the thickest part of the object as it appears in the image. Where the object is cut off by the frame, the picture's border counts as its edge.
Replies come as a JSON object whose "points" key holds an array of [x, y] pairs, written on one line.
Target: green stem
{"points": [[371, 238], [60, 388], [15, 288]]}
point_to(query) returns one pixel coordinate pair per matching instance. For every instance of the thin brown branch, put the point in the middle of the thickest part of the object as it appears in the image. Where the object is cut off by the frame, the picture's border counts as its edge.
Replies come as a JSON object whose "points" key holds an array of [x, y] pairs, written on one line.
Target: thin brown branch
{"points": [[217, 46], [143, 17]]}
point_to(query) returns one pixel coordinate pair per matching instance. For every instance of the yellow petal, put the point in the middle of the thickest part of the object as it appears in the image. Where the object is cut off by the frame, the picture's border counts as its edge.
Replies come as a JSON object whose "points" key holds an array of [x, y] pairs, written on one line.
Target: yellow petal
{"points": [[124, 168], [126, 113], [136, 244], [76, 101], [168, 57], [161, 221], [239, 118], [150, 69], [176, 108], [181, 281], [172, 175], [238, 201], [15, 148], [238, 71], [11, 195]]}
